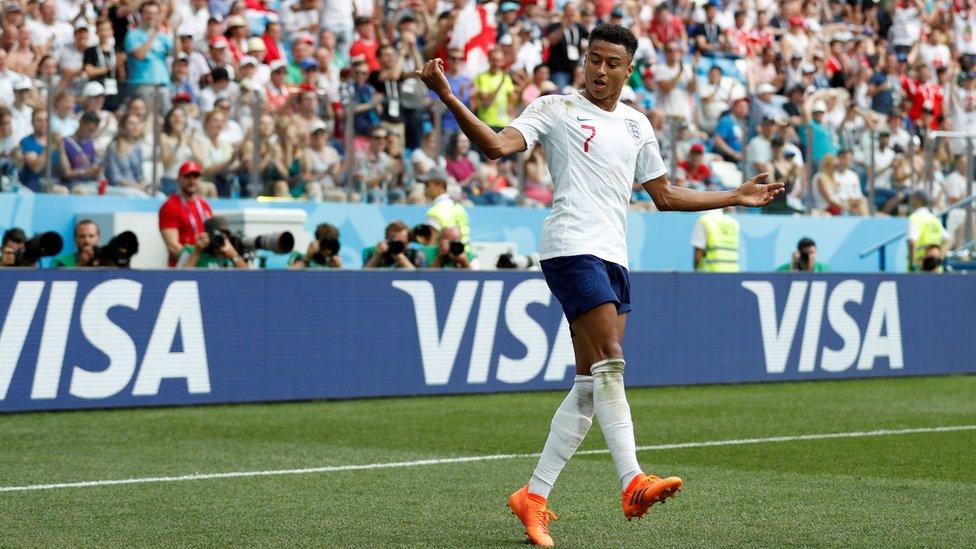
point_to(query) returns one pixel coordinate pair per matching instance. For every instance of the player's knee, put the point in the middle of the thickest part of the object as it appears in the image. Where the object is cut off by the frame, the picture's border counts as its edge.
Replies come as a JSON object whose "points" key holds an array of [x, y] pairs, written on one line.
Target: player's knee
{"points": [[610, 349]]}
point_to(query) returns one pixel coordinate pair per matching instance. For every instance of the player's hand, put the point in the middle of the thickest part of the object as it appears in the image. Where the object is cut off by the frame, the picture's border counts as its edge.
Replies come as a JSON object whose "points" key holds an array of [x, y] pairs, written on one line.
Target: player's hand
{"points": [[754, 193], [433, 77]]}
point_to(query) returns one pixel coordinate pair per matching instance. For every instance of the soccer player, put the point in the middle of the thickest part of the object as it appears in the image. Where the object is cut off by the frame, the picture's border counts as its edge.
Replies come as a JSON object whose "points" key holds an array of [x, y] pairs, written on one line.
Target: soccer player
{"points": [[596, 148]]}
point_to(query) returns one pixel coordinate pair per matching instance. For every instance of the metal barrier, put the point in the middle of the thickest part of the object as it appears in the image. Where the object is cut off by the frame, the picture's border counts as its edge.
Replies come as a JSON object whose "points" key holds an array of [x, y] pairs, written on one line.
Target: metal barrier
{"points": [[881, 246]]}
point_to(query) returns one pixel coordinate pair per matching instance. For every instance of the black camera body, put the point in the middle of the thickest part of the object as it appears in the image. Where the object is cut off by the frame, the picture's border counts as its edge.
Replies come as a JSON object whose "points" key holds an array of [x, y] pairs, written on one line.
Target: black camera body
{"points": [[328, 247], [396, 247], [119, 250], [456, 248]]}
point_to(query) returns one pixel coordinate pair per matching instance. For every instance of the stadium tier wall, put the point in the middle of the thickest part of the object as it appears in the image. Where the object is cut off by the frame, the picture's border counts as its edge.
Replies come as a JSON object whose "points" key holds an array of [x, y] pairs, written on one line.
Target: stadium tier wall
{"points": [[767, 240], [93, 339]]}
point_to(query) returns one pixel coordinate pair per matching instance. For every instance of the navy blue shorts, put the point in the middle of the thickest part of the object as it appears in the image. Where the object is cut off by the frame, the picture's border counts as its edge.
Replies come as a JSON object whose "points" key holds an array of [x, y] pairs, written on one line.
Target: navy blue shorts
{"points": [[584, 282]]}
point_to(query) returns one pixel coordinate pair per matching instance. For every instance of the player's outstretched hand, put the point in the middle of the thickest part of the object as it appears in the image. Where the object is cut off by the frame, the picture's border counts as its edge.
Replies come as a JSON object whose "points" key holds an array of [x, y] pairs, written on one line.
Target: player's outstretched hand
{"points": [[755, 193], [433, 77]]}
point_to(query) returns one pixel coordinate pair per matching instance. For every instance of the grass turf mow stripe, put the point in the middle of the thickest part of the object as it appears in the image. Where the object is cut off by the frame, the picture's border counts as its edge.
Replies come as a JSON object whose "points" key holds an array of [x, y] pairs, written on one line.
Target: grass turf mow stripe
{"points": [[471, 459]]}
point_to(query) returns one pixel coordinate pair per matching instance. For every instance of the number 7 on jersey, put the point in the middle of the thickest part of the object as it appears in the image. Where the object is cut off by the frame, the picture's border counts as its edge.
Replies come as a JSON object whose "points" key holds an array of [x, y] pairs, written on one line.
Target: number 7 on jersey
{"points": [[586, 143]]}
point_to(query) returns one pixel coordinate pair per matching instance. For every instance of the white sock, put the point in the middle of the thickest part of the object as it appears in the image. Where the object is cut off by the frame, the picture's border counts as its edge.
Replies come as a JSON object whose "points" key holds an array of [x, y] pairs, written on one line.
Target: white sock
{"points": [[613, 413], [568, 428]]}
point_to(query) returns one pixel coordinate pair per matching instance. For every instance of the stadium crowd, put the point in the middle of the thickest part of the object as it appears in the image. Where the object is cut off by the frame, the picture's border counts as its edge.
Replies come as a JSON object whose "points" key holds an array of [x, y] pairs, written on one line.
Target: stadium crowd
{"points": [[317, 99]]}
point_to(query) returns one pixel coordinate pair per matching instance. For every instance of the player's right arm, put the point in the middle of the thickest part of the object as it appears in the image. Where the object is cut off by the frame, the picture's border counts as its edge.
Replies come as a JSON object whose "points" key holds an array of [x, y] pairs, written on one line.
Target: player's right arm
{"points": [[493, 144]]}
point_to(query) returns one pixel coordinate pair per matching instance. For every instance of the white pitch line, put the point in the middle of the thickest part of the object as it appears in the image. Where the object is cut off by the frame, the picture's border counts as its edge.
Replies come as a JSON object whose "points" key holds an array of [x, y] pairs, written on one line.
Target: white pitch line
{"points": [[472, 459]]}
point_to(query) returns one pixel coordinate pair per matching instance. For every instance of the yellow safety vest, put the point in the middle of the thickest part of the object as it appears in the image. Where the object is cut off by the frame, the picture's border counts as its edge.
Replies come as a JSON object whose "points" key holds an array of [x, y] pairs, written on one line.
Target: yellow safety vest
{"points": [[449, 213], [930, 232], [721, 244]]}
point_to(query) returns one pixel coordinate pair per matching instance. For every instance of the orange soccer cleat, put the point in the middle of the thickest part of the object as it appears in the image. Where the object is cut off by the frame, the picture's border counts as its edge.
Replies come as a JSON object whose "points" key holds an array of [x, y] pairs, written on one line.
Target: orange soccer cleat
{"points": [[531, 509], [646, 490]]}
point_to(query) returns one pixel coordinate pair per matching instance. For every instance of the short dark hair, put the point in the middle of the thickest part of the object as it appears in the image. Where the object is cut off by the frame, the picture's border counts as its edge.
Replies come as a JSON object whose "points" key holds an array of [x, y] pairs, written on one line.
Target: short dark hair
{"points": [[615, 34], [395, 227], [87, 222], [15, 233], [90, 118], [805, 242], [326, 230], [219, 74]]}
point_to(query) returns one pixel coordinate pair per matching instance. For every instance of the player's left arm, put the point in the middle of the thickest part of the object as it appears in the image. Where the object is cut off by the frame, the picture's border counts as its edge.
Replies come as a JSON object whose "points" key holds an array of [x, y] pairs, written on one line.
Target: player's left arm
{"points": [[753, 194]]}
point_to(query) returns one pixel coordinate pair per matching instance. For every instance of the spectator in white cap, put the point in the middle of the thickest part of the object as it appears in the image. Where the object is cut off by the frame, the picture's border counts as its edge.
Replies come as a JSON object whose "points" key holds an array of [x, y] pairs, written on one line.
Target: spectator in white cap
{"points": [[102, 65], [219, 57], [730, 132], [824, 139], [237, 36], [763, 105], [21, 109], [258, 50], [322, 167], [199, 67], [276, 91], [675, 82], [71, 60], [246, 69]]}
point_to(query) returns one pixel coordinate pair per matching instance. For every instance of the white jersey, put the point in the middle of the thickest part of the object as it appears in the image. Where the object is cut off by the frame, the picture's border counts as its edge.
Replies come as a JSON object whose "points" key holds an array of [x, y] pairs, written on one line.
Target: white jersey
{"points": [[595, 158]]}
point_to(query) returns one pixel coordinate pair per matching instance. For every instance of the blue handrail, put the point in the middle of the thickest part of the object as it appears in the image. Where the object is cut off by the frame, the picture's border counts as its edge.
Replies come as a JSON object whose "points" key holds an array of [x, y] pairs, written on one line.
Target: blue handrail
{"points": [[881, 246]]}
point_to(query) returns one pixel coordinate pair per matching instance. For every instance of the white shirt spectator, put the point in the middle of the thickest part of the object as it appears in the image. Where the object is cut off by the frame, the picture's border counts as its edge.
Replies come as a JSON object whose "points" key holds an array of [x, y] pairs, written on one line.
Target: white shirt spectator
{"points": [[21, 120], [849, 185], [190, 21], [883, 160], [758, 151], [906, 27], [7, 80], [965, 41], [675, 102], [528, 56], [934, 56], [62, 33]]}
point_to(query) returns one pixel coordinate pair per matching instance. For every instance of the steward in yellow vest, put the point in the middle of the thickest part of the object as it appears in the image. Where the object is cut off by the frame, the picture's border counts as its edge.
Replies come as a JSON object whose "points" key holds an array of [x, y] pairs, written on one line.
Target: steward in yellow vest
{"points": [[716, 242], [924, 230]]}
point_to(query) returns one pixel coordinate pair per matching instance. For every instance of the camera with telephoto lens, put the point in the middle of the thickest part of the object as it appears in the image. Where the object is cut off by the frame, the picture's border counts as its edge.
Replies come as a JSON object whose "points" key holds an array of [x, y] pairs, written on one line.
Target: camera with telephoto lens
{"points": [[42, 245], [456, 247], [516, 261], [280, 243], [119, 250], [328, 247]]}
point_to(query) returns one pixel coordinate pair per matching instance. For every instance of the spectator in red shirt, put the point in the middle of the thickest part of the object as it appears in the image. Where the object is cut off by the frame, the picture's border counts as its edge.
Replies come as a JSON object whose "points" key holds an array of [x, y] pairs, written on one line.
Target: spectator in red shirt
{"points": [[182, 216], [924, 94], [366, 47], [696, 173], [667, 29]]}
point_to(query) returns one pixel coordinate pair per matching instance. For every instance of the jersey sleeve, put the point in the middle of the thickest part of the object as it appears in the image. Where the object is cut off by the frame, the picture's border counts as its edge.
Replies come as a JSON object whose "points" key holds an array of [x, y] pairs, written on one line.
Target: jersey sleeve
{"points": [[169, 218], [538, 119], [650, 165]]}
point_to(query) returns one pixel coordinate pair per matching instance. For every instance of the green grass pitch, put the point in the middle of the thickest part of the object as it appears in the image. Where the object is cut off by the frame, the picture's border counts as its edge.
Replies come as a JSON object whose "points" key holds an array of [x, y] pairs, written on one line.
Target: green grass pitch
{"points": [[889, 491]]}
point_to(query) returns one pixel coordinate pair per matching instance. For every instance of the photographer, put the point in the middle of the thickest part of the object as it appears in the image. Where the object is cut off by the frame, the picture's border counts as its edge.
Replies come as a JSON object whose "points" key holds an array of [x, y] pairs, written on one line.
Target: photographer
{"points": [[14, 241], [214, 248], [183, 216], [925, 230], [394, 251], [450, 253], [444, 211], [87, 237], [323, 252], [804, 259]]}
